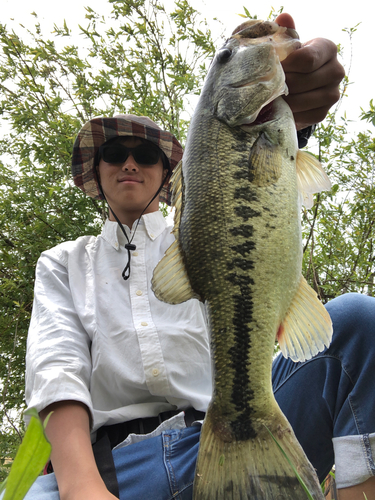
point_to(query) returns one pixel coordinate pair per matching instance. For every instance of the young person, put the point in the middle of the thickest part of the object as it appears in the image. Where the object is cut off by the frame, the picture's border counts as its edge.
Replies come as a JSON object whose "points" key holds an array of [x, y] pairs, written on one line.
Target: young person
{"points": [[115, 365]]}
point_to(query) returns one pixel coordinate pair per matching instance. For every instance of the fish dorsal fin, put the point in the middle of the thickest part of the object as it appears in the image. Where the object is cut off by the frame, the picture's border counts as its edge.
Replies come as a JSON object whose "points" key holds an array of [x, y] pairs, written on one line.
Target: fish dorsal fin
{"points": [[170, 282], [265, 166], [307, 326], [311, 178]]}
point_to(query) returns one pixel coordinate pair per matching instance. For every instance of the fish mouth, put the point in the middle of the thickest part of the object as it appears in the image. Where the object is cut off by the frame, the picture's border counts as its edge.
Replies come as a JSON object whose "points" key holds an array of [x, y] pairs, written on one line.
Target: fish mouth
{"points": [[266, 114]]}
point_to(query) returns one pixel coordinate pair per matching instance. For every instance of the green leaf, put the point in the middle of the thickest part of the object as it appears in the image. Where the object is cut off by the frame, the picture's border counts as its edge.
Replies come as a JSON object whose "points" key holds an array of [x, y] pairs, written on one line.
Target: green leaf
{"points": [[248, 14], [31, 457]]}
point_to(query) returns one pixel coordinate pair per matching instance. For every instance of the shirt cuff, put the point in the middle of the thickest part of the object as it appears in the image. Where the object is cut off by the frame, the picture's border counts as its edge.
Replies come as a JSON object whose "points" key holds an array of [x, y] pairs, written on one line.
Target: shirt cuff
{"points": [[304, 135], [354, 459], [54, 385]]}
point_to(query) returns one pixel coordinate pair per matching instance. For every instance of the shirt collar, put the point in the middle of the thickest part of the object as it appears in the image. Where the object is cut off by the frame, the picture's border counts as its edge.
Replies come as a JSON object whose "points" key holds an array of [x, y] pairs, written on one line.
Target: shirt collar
{"points": [[154, 224]]}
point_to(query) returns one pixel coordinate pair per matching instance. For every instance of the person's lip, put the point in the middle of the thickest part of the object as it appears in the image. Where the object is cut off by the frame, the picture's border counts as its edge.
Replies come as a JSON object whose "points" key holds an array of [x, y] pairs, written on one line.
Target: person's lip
{"points": [[131, 180]]}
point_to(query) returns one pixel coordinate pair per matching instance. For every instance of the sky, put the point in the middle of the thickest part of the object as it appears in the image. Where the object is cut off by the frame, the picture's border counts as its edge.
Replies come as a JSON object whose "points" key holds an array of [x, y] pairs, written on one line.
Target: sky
{"points": [[316, 18]]}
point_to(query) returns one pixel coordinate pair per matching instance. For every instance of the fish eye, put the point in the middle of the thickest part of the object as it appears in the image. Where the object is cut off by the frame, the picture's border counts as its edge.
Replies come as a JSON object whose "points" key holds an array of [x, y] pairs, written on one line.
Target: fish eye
{"points": [[223, 55]]}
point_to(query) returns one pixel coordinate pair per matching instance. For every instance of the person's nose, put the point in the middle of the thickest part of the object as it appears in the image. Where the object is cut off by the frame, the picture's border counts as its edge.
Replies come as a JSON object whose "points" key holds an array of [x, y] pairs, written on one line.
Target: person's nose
{"points": [[130, 165]]}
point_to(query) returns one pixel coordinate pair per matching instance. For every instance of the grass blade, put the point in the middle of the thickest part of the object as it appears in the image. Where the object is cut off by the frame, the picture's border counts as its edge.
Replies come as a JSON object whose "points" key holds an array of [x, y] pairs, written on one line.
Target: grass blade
{"points": [[292, 466]]}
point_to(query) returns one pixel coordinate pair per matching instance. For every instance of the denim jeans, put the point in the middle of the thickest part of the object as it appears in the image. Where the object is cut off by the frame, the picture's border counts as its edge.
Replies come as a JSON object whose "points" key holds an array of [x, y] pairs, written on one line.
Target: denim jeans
{"points": [[329, 401], [332, 396]]}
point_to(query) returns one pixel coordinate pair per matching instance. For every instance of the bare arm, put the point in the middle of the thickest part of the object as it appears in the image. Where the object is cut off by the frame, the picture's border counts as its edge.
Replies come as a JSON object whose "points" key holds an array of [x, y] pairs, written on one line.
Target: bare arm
{"points": [[72, 457]]}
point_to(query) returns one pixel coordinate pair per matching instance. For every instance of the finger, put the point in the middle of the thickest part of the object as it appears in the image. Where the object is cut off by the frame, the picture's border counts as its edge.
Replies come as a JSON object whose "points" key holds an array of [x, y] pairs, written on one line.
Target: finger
{"points": [[311, 56], [305, 107], [330, 74], [285, 20], [305, 119], [323, 97]]}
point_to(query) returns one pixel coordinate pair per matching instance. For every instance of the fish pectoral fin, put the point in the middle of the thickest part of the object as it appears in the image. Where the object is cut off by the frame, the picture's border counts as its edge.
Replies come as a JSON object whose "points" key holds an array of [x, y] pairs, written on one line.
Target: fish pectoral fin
{"points": [[311, 178], [307, 326], [264, 161], [170, 281]]}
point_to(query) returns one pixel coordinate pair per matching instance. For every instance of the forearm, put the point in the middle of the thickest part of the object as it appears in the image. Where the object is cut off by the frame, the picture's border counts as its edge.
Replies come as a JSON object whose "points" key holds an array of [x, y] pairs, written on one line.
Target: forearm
{"points": [[68, 430]]}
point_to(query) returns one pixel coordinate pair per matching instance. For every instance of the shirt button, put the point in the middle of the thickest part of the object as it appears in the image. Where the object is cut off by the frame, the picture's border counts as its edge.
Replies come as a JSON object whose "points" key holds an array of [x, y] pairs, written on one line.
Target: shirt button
{"points": [[155, 372], [116, 245], [138, 292], [135, 254], [144, 323], [152, 236]]}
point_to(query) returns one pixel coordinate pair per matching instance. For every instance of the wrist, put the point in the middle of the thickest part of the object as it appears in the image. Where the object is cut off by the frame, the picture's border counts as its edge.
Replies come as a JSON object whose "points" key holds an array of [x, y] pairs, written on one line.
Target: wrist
{"points": [[84, 490]]}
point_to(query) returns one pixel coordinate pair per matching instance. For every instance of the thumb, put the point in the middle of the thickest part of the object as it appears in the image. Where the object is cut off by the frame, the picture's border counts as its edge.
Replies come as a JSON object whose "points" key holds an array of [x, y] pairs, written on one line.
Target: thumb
{"points": [[285, 20]]}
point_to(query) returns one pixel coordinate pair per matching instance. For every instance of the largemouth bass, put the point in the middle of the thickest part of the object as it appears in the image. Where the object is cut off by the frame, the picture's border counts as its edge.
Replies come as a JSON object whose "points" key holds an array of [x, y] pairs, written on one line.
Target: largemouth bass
{"points": [[238, 247]]}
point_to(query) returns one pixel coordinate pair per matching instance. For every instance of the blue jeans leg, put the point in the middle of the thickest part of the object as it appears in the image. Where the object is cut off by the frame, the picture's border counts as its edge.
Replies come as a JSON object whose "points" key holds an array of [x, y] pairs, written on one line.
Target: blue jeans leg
{"points": [[332, 395], [161, 468], [44, 488]]}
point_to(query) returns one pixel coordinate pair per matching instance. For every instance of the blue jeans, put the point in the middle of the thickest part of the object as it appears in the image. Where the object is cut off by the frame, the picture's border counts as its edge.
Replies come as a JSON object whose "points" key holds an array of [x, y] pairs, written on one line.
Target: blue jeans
{"points": [[332, 396], [326, 399]]}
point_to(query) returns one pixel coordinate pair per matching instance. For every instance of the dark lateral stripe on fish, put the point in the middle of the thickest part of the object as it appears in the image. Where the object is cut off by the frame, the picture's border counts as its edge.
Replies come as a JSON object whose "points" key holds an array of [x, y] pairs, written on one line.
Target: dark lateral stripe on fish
{"points": [[242, 174], [246, 212], [243, 248], [242, 395], [240, 280], [244, 264], [245, 193], [244, 230]]}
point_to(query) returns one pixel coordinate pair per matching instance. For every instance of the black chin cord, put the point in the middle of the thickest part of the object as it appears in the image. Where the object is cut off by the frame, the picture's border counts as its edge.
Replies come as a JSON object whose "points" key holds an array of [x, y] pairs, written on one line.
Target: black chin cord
{"points": [[129, 245]]}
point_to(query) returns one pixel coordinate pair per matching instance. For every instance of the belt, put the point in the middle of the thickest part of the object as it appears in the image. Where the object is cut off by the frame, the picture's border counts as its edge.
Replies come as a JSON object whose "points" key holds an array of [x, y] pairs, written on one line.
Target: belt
{"points": [[118, 432], [109, 436]]}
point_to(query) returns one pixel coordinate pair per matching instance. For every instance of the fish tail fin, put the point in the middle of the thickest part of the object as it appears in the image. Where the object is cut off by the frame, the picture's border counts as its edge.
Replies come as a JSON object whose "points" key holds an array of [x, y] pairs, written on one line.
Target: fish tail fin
{"points": [[254, 469]]}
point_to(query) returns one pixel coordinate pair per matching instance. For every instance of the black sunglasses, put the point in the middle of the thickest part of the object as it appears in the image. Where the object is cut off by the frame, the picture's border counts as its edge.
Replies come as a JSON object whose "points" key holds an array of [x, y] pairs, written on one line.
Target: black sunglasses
{"points": [[144, 154]]}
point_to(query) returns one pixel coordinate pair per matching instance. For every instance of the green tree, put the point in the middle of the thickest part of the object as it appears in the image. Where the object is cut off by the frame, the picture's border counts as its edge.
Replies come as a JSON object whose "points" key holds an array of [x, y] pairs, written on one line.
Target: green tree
{"points": [[339, 232], [143, 60]]}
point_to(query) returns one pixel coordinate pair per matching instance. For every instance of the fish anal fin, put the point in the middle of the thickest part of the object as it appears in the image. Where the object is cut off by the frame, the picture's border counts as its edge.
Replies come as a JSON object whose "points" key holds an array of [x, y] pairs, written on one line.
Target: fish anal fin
{"points": [[311, 178], [264, 162], [170, 282], [306, 328]]}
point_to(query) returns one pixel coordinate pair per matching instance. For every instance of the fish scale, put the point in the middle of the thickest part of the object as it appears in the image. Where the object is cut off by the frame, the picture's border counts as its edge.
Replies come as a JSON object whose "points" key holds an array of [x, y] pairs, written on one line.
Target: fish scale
{"points": [[238, 249]]}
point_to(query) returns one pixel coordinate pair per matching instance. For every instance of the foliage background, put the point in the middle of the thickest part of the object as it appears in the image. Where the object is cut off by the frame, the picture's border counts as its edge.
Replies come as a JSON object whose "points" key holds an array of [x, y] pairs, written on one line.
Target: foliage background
{"points": [[142, 60]]}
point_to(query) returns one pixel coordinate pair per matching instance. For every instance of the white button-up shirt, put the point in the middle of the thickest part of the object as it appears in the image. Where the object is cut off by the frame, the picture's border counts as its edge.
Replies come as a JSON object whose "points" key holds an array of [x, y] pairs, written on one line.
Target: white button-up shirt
{"points": [[109, 343]]}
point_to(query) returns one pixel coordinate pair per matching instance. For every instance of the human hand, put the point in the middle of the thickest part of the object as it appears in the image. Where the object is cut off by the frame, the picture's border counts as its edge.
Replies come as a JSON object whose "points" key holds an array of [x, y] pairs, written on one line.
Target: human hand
{"points": [[313, 75]]}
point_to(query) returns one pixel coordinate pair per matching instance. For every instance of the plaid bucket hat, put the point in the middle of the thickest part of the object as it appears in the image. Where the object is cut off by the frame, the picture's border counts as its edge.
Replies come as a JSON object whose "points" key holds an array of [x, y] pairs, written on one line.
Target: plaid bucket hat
{"points": [[99, 130]]}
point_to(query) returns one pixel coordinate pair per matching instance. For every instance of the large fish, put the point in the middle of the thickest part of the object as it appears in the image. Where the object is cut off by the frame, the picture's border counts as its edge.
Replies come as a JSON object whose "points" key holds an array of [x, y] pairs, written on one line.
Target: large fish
{"points": [[238, 247]]}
